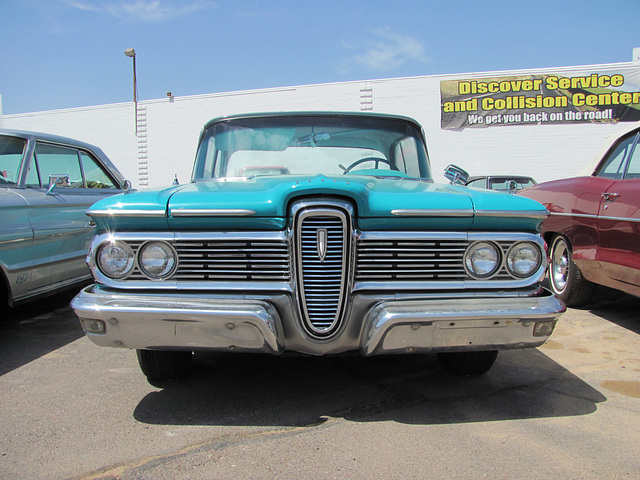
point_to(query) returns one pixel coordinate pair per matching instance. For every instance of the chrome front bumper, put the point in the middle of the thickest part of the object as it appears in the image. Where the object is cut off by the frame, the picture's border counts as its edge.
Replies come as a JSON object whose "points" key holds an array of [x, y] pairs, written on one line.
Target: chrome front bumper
{"points": [[268, 325]]}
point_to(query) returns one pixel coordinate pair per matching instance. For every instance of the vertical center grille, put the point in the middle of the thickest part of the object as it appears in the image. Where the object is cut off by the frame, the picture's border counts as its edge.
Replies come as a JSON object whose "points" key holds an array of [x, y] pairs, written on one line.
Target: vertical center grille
{"points": [[322, 245]]}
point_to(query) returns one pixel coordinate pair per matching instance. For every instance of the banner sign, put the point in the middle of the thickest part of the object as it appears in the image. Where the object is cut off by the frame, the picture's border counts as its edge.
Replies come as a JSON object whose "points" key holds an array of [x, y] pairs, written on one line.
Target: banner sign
{"points": [[605, 97]]}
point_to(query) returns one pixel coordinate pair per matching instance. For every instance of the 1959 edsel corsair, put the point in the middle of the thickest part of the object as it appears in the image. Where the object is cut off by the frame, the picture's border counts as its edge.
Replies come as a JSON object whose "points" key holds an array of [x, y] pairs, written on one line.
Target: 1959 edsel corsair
{"points": [[316, 233]]}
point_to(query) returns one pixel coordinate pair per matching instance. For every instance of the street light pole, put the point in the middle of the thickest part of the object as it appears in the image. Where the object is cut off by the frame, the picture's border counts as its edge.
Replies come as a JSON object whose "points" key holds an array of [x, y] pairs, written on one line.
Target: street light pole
{"points": [[130, 52]]}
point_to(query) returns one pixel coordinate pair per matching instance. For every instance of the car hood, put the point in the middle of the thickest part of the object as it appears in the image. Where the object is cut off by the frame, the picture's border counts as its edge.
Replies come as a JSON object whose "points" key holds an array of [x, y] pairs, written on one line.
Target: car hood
{"points": [[263, 202]]}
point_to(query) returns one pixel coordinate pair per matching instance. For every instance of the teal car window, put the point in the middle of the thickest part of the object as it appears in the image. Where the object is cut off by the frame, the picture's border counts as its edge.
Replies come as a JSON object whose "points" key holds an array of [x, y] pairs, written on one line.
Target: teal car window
{"points": [[311, 145], [56, 160], [11, 151], [94, 174]]}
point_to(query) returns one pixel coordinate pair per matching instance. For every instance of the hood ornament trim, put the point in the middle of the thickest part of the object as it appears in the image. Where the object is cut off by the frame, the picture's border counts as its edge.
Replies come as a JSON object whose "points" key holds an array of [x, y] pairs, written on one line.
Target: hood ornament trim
{"points": [[322, 238]]}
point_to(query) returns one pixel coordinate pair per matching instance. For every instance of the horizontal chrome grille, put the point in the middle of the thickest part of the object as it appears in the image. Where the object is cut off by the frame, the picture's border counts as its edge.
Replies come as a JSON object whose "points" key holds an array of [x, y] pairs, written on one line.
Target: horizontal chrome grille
{"points": [[419, 260], [415, 260], [229, 260]]}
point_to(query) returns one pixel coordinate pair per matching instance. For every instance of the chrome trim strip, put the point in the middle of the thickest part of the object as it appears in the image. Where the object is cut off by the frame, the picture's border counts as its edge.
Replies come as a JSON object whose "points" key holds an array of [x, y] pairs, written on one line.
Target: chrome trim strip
{"points": [[126, 213], [423, 212], [469, 213], [597, 217], [512, 213], [211, 212]]}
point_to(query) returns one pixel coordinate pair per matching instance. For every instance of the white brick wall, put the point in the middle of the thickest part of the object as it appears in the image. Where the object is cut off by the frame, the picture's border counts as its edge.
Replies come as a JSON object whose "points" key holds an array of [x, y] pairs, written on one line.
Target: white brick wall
{"points": [[169, 127]]}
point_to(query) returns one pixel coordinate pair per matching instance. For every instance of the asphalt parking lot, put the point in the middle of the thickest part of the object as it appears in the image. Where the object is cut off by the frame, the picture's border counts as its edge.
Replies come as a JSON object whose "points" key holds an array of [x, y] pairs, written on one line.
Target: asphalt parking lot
{"points": [[569, 409]]}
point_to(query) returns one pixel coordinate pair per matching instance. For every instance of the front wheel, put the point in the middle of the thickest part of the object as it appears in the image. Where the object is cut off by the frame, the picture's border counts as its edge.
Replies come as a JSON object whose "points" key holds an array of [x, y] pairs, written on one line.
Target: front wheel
{"points": [[565, 278], [468, 363], [161, 366]]}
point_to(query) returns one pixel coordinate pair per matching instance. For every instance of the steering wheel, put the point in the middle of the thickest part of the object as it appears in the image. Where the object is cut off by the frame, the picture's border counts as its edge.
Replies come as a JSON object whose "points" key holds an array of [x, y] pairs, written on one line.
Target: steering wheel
{"points": [[376, 160]]}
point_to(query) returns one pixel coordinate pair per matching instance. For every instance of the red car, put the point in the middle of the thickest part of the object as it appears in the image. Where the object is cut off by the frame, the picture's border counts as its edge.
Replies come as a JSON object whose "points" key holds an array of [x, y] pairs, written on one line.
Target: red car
{"points": [[593, 229]]}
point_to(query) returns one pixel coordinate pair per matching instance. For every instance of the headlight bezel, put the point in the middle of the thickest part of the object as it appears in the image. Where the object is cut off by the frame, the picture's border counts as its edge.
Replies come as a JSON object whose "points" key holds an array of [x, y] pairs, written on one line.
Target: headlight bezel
{"points": [[474, 247], [532, 271], [130, 260], [167, 271]]}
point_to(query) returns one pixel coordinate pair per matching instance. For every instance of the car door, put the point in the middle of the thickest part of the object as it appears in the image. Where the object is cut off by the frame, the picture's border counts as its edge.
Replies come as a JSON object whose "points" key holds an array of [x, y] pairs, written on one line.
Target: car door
{"points": [[62, 231], [619, 216]]}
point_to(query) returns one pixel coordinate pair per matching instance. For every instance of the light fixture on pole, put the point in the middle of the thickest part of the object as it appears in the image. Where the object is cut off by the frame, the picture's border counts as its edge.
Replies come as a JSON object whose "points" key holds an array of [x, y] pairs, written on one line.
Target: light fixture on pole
{"points": [[130, 52]]}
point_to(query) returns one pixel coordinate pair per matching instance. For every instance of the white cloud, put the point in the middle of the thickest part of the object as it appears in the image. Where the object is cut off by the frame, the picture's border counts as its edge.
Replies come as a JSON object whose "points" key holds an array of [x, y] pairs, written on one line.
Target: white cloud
{"points": [[387, 51], [141, 10]]}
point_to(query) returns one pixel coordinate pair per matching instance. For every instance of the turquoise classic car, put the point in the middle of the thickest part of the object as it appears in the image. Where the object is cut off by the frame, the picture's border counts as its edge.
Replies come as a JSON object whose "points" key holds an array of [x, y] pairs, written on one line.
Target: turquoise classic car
{"points": [[316, 233], [46, 185]]}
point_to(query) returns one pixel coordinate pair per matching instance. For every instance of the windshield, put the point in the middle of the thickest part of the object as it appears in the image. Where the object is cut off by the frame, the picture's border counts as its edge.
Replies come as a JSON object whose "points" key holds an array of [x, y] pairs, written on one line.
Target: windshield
{"points": [[311, 145]]}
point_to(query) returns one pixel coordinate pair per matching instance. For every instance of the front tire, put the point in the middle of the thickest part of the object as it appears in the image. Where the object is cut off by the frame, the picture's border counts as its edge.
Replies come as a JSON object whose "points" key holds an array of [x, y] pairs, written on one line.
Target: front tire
{"points": [[159, 366], [565, 278], [468, 363]]}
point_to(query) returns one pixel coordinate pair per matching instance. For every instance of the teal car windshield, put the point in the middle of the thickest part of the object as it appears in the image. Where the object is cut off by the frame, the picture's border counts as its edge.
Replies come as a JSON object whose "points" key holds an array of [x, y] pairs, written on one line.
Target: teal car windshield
{"points": [[311, 145]]}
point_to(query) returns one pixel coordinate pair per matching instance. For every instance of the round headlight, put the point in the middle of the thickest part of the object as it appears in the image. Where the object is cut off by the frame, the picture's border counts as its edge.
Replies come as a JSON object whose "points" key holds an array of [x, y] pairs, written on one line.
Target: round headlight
{"points": [[482, 259], [157, 259], [115, 259], [523, 259]]}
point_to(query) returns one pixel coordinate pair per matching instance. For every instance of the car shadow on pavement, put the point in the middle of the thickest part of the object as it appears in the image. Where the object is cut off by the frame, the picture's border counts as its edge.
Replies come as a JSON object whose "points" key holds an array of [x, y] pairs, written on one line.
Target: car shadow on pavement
{"points": [[246, 390], [616, 307], [34, 329]]}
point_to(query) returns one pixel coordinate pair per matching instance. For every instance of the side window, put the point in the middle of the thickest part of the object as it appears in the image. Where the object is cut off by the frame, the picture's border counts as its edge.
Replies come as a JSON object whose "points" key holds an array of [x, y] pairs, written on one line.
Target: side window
{"points": [[613, 164], [633, 169], [406, 157], [94, 175], [55, 160], [479, 183], [11, 150]]}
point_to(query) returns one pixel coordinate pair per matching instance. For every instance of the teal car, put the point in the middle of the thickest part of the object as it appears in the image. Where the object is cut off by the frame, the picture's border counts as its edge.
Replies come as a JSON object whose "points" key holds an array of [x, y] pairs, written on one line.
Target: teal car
{"points": [[316, 233], [47, 183]]}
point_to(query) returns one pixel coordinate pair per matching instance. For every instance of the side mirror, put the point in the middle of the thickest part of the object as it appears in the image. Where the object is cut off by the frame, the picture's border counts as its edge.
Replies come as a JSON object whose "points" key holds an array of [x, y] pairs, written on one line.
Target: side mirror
{"points": [[456, 175], [512, 186], [57, 180], [125, 185]]}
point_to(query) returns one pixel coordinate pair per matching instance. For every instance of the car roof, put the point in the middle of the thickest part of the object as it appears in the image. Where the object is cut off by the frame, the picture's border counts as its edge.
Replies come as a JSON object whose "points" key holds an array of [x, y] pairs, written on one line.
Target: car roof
{"points": [[47, 137], [318, 113]]}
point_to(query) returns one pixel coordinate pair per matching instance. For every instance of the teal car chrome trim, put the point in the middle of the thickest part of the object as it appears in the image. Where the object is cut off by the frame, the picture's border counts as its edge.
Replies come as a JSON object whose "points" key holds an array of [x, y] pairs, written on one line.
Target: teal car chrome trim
{"points": [[432, 213], [513, 213], [126, 213], [212, 212]]}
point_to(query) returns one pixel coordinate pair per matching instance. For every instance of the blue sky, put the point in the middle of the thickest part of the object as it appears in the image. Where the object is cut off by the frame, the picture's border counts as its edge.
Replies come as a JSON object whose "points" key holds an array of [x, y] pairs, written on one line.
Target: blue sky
{"points": [[70, 53]]}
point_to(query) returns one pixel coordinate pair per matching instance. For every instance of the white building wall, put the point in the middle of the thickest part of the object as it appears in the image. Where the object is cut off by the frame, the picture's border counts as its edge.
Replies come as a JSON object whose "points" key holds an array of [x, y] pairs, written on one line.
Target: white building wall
{"points": [[168, 128]]}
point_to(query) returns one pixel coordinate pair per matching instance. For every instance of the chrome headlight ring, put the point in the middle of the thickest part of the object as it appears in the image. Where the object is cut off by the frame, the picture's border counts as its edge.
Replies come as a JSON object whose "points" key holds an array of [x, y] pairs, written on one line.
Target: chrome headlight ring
{"points": [[524, 259], [115, 259], [157, 260], [483, 260]]}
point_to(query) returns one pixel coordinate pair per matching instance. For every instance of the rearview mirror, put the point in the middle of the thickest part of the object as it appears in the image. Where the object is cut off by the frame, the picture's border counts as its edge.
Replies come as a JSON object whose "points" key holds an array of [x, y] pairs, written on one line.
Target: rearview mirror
{"points": [[456, 175]]}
